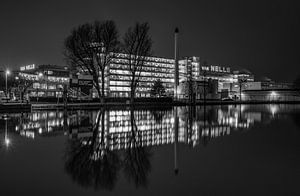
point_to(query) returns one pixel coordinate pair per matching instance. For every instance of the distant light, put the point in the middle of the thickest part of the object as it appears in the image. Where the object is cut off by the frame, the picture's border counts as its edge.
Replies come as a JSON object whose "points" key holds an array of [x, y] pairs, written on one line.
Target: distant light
{"points": [[17, 78], [7, 141], [7, 72], [40, 74]]}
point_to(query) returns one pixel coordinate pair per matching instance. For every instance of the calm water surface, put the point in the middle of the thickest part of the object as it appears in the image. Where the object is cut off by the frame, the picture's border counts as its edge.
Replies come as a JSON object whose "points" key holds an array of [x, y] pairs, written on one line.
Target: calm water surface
{"points": [[212, 150]]}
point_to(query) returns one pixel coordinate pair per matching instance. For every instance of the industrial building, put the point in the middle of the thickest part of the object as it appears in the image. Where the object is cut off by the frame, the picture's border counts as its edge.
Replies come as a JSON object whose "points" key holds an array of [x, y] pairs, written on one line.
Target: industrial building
{"points": [[43, 80], [194, 80], [154, 68]]}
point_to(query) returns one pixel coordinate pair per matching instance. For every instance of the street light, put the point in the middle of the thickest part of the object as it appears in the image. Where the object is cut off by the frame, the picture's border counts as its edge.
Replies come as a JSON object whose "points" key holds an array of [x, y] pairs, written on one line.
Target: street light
{"points": [[7, 72]]}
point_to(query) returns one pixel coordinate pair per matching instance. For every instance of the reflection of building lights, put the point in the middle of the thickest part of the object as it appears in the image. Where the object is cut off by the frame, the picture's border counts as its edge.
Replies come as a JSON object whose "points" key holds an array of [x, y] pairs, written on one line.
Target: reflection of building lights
{"points": [[273, 93], [7, 141], [273, 109], [243, 107]]}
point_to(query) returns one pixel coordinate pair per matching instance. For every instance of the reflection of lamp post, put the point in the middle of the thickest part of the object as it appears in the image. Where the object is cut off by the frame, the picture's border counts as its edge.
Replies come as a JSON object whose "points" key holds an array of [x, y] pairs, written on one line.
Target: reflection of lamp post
{"points": [[6, 139], [7, 72], [176, 120]]}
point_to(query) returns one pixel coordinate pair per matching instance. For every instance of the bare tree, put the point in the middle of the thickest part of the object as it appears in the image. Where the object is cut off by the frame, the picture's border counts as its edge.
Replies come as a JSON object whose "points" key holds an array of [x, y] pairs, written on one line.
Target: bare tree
{"points": [[137, 44], [89, 49]]}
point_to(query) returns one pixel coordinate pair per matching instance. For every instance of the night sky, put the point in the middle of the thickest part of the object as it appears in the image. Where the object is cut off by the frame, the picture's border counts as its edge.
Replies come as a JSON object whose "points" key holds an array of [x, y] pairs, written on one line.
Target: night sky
{"points": [[261, 36]]}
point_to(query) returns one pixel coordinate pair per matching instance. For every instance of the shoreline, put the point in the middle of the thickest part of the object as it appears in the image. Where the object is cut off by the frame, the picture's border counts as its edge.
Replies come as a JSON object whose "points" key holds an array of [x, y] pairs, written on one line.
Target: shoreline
{"points": [[36, 106], [76, 106]]}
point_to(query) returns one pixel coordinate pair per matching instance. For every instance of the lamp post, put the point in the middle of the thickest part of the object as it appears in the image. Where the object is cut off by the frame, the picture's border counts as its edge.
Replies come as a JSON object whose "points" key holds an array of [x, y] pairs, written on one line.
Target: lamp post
{"points": [[7, 72], [40, 76]]}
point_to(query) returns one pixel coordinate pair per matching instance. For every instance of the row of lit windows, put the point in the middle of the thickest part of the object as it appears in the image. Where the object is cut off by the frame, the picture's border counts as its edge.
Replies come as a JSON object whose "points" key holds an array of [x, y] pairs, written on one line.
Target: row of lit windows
{"points": [[119, 83], [144, 68], [37, 85], [124, 62], [123, 88], [58, 79], [142, 73], [128, 78], [119, 88], [156, 59]]}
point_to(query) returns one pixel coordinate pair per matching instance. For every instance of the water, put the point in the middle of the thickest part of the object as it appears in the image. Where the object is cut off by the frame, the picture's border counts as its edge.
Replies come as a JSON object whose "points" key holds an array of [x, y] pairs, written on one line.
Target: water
{"points": [[213, 150]]}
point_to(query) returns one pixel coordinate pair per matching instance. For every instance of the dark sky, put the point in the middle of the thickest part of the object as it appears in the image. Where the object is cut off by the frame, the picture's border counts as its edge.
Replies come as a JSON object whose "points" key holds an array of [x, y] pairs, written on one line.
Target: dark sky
{"points": [[261, 36]]}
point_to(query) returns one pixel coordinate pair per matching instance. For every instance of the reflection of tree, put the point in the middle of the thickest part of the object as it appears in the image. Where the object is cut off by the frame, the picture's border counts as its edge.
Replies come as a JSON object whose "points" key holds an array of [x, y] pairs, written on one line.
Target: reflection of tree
{"points": [[90, 162], [158, 115], [137, 165]]}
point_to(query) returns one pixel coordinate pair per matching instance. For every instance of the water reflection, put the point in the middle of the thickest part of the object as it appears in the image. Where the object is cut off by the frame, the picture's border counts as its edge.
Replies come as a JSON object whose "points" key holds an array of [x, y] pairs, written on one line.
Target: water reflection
{"points": [[104, 144], [148, 127], [89, 160]]}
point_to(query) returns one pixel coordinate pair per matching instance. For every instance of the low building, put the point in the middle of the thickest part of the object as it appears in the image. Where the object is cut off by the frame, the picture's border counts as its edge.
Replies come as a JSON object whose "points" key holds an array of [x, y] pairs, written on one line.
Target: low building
{"points": [[43, 80]]}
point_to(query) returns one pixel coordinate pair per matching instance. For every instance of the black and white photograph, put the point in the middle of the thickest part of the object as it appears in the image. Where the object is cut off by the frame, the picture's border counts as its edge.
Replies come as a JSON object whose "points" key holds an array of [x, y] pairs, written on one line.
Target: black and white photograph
{"points": [[152, 98]]}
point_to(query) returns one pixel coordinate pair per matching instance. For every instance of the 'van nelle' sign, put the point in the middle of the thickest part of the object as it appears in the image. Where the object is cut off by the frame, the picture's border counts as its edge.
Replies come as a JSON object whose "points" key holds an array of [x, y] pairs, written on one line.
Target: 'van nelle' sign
{"points": [[215, 68], [27, 67]]}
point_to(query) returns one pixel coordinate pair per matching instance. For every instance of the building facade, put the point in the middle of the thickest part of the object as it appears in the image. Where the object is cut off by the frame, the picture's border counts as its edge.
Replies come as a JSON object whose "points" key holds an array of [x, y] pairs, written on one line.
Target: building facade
{"points": [[154, 68], [43, 80]]}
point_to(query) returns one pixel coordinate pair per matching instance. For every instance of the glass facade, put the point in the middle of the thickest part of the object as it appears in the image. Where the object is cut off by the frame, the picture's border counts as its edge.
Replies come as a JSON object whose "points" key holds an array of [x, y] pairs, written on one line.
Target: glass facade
{"points": [[47, 80], [154, 68]]}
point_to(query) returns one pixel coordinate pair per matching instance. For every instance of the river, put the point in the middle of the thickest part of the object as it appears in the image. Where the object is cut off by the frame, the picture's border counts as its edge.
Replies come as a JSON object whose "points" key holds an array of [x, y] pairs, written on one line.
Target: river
{"points": [[211, 150]]}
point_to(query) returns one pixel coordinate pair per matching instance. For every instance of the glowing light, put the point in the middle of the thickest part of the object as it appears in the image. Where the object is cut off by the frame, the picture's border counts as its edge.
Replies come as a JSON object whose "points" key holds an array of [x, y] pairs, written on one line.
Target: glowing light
{"points": [[273, 93], [274, 109], [7, 72], [7, 142]]}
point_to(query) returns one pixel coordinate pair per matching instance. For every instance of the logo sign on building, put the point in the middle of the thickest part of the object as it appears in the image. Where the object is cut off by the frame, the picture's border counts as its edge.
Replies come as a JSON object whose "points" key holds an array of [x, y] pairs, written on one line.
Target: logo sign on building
{"points": [[85, 83], [27, 67], [85, 80], [214, 68]]}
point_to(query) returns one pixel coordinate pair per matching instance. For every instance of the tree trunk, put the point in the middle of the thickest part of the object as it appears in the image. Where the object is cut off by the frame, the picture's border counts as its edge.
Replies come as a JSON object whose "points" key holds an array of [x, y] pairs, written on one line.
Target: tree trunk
{"points": [[97, 86], [102, 86], [132, 94], [98, 91], [22, 96]]}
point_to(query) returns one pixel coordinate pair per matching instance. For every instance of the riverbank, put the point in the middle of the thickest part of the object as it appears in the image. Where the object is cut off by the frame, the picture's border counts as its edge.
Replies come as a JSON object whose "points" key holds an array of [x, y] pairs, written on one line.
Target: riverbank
{"points": [[27, 107], [97, 105], [15, 107]]}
